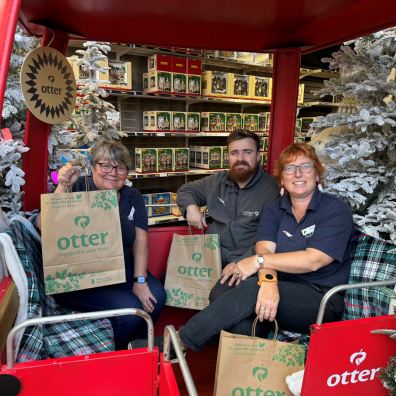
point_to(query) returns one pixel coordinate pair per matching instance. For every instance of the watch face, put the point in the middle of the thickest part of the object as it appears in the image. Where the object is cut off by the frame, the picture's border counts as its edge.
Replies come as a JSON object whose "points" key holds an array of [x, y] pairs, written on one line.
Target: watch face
{"points": [[260, 259], [141, 279]]}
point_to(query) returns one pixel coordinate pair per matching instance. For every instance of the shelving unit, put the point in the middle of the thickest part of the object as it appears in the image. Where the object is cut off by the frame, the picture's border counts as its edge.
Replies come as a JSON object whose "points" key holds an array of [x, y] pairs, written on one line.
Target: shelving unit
{"points": [[132, 104]]}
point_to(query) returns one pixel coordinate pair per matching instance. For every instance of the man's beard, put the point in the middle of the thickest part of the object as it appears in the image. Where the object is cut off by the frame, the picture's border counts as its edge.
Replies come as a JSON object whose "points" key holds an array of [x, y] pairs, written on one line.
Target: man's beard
{"points": [[241, 175]]}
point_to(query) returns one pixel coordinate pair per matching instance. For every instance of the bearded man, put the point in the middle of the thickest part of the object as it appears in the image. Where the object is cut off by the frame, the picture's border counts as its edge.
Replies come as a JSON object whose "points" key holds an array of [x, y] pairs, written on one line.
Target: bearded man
{"points": [[235, 200]]}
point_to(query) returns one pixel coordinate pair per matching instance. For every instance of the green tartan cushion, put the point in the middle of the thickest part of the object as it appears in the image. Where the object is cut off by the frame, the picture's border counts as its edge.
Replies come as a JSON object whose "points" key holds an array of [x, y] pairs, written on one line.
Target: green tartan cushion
{"points": [[372, 260]]}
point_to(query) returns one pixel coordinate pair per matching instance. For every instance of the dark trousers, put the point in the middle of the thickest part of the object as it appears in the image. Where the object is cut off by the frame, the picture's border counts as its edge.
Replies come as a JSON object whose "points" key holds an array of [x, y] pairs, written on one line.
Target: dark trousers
{"points": [[233, 309], [113, 297]]}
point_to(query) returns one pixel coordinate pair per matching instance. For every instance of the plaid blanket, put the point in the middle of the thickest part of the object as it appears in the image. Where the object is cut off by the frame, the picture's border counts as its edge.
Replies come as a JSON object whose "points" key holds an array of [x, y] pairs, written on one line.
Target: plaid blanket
{"points": [[53, 340], [372, 260]]}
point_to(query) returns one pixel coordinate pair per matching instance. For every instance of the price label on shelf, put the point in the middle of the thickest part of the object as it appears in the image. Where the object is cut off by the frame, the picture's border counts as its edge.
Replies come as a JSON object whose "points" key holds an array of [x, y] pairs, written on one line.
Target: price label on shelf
{"points": [[160, 133], [163, 175]]}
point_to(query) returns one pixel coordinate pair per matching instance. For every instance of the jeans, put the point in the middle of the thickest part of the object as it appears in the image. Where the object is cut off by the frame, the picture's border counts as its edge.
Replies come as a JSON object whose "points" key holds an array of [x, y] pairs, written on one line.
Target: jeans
{"points": [[233, 309], [113, 297]]}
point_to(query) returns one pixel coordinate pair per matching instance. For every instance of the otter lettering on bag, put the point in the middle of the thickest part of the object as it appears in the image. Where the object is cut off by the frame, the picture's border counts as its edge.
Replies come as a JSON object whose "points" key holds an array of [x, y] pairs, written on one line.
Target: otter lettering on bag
{"points": [[194, 266], [81, 240]]}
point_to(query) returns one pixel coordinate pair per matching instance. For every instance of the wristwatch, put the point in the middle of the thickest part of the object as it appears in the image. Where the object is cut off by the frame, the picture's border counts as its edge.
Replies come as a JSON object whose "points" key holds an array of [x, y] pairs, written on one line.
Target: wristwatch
{"points": [[267, 278], [260, 261], [140, 279]]}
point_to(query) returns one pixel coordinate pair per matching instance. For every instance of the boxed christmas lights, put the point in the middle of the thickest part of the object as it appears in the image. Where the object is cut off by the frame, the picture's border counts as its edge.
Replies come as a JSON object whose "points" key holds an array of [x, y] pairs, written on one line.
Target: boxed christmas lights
{"points": [[145, 160], [212, 122]]}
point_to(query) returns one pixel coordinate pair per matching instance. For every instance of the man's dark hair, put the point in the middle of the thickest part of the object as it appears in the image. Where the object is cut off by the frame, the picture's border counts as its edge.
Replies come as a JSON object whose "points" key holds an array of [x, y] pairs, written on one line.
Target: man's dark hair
{"points": [[239, 134]]}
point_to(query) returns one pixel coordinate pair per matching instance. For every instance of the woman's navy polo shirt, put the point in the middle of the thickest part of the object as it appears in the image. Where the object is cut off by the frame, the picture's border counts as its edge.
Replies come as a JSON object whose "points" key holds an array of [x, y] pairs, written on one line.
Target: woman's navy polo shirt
{"points": [[132, 214], [327, 226]]}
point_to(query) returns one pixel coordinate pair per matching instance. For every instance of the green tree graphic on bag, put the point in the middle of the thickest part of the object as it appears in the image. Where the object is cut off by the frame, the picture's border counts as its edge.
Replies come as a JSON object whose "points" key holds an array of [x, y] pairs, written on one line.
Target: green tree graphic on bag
{"points": [[212, 241], [105, 200], [177, 296], [289, 356]]}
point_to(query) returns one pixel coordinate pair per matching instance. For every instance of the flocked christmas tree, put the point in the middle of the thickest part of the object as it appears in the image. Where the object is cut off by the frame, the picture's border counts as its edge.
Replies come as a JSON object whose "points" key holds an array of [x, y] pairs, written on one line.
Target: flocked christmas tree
{"points": [[358, 143], [91, 119], [13, 118]]}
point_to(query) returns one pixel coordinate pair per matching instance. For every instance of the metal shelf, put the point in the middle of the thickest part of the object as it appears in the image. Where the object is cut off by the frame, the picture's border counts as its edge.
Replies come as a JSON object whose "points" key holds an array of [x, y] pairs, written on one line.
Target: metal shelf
{"points": [[184, 134], [193, 171]]}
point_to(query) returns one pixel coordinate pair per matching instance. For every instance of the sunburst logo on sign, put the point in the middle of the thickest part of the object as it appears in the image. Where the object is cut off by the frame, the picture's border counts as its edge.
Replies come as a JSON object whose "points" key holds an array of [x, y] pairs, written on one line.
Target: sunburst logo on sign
{"points": [[48, 85]]}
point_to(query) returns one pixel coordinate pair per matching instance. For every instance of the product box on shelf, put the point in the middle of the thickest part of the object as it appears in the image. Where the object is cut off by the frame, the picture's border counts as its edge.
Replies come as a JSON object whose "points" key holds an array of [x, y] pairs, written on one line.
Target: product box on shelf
{"points": [[246, 57], [147, 201], [146, 121], [198, 157], [181, 159], [239, 85], [250, 121], [214, 83], [300, 98], [193, 84], [119, 75], [179, 64], [192, 155], [178, 121], [179, 83], [264, 143], [233, 121], [159, 62], [212, 122], [260, 87], [262, 59], [175, 209], [211, 157], [160, 199], [164, 159], [264, 119], [263, 158], [145, 160], [193, 122], [305, 123], [194, 66], [81, 72], [160, 121], [157, 81], [298, 125], [224, 157]]}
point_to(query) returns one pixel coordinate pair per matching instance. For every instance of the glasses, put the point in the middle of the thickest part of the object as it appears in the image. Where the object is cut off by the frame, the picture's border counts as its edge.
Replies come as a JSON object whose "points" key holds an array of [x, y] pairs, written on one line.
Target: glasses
{"points": [[107, 168], [306, 167]]}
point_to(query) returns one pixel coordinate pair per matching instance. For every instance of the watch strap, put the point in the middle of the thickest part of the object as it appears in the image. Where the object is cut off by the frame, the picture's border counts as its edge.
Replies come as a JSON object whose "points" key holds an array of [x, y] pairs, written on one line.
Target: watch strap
{"points": [[269, 278]]}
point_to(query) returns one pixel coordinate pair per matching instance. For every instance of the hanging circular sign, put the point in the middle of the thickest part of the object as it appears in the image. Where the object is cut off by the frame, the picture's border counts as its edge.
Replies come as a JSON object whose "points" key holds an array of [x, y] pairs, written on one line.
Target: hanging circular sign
{"points": [[48, 85]]}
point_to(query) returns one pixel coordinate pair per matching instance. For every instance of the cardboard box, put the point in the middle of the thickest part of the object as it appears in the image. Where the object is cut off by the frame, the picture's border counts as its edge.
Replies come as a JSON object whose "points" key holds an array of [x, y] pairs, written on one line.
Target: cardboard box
{"points": [[239, 86], [300, 98], [146, 121], [181, 159], [160, 121], [264, 121], [164, 159], [178, 121], [263, 158], [194, 66], [147, 201], [305, 123], [175, 209], [298, 125], [264, 143], [233, 121], [160, 199], [192, 155], [81, 72], [198, 156], [211, 157], [212, 122], [193, 84], [157, 81], [119, 75], [246, 57], [261, 87], [262, 59], [250, 121], [193, 122], [159, 62], [179, 83], [214, 83], [224, 157], [145, 160], [179, 64]]}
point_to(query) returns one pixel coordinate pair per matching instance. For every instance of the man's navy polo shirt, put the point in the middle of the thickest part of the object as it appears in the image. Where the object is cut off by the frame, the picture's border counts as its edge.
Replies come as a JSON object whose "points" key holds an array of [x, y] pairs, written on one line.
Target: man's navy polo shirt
{"points": [[327, 226], [132, 214]]}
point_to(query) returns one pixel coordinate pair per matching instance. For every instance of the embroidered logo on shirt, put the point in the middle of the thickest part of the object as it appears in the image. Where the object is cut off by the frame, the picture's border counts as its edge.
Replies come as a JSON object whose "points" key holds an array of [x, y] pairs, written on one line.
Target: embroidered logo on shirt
{"points": [[131, 213], [221, 200], [250, 213], [287, 234], [309, 231]]}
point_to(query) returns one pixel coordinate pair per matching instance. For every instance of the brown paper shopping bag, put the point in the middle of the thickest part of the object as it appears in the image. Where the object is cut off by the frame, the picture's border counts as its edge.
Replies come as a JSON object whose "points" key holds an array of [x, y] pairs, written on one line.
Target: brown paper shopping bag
{"points": [[255, 366], [194, 266], [81, 240]]}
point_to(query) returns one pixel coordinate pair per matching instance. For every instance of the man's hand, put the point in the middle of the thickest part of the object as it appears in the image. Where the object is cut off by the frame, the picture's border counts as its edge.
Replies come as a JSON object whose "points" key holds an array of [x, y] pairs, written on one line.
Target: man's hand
{"points": [[143, 293], [267, 301], [194, 217]]}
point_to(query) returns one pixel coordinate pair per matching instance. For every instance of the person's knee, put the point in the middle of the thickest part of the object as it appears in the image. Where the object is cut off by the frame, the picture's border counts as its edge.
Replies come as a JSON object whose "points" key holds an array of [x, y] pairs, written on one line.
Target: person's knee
{"points": [[217, 290]]}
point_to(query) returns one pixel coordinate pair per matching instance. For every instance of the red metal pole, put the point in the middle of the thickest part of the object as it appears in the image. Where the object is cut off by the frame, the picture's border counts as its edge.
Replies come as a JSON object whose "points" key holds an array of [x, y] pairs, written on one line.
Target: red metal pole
{"points": [[286, 73], [35, 161], [9, 10]]}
